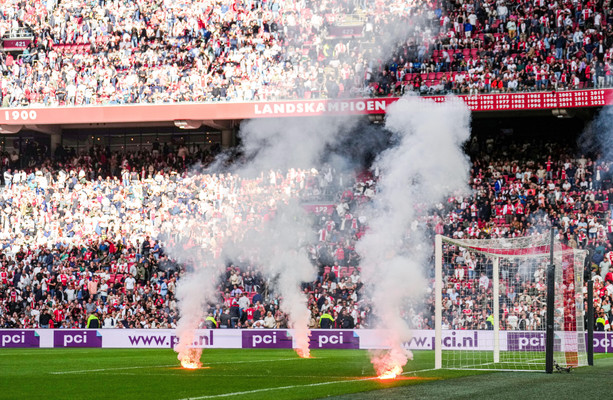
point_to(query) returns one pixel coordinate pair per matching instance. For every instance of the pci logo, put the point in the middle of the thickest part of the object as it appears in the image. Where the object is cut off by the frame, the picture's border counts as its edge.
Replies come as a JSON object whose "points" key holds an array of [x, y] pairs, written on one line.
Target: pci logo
{"points": [[334, 340], [77, 338], [19, 338], [530, 341], [602, 342], [275, 339]]}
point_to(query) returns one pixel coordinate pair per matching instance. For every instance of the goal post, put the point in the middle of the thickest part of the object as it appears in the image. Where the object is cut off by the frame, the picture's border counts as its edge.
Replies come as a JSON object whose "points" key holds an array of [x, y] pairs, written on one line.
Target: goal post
{"points": [[491, 304], [438, 309]]}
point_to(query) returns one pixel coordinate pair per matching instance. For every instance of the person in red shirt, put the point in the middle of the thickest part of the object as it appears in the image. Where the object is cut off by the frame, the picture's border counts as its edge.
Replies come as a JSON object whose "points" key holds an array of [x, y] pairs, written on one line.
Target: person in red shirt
{"points": [[58, 315], [608, 277], [4, 278], [249, 312], [549, 165], [64, 280], [340, 255]]}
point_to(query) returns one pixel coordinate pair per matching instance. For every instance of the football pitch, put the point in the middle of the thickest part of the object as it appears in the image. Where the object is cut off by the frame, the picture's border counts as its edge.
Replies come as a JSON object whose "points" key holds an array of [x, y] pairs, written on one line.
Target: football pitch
{"points": [[271, 374]]}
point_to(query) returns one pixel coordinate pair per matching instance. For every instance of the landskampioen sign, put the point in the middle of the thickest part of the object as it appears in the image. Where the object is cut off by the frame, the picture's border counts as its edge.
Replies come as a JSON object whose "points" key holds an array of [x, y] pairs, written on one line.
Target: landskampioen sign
{"points": [[143, 113]]}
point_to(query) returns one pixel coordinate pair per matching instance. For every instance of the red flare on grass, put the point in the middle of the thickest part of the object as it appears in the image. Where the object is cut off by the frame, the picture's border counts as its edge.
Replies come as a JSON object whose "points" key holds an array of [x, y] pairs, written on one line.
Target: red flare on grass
{"points": [[303, 353], [190, 359], [390, 373]]}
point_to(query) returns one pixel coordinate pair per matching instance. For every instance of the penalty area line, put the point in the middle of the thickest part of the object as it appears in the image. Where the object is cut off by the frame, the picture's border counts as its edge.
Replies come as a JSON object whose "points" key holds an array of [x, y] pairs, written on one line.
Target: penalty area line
{"points": [[250, 361], [216, 396], [84, 371]]}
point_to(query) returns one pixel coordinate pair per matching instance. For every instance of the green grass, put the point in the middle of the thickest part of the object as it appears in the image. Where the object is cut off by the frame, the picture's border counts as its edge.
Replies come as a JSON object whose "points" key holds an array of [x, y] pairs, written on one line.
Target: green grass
{"points": [[268, 374]]}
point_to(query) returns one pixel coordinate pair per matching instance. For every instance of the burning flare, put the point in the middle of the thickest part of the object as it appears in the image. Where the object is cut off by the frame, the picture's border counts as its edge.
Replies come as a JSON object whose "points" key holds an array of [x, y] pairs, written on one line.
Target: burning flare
{"points": [[190, 359], [388, 364], [392, 373], [303, 353]]}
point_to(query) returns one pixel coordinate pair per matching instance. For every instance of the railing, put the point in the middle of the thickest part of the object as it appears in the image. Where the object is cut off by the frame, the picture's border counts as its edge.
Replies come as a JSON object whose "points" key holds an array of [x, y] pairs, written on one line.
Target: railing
{"points": [[19, 33]]}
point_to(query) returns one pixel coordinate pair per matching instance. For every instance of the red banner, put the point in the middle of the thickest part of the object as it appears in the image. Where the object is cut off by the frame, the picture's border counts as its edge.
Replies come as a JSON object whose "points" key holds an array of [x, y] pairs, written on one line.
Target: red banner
{"points": [[300, 108], [15, 44]]}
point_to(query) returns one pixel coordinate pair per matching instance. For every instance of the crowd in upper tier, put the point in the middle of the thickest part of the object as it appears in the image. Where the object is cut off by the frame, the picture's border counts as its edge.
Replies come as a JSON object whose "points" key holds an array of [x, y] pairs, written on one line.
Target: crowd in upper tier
{"points": [[121, 52], [80, 235]]}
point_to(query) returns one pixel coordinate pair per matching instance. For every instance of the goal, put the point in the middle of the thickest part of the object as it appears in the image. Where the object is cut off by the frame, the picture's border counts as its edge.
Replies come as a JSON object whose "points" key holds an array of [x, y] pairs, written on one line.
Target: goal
{"points": [[491, 304]]}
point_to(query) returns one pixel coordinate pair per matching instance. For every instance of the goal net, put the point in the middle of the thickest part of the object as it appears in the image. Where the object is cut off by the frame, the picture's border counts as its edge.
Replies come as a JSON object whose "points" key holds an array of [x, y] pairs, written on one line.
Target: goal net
{"points": [[491, 304]]}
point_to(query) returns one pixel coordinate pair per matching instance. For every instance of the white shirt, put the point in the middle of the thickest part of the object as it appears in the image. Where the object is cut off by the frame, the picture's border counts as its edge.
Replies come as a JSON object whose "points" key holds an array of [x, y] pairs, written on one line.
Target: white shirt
{"points": [[130, 281]]}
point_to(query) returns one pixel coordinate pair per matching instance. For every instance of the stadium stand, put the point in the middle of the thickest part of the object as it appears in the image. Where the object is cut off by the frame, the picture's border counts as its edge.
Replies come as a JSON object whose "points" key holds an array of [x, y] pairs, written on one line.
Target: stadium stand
{"points": [[77, 236], [100, 209], [115, 52]]}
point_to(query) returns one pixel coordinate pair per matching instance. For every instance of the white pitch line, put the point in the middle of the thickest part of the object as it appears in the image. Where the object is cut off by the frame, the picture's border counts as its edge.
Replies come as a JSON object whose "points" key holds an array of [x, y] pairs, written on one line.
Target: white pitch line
{"points": [[84, 371], [251, 361], [418, 370], [216, 396], [218, 375], [250, 376]]}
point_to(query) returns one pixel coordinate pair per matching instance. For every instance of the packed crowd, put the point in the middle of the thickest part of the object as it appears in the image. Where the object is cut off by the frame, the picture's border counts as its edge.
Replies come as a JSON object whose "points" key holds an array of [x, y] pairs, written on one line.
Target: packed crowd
{"points": [[502, 46], [80, 235], [514, 197], [120, 52]]}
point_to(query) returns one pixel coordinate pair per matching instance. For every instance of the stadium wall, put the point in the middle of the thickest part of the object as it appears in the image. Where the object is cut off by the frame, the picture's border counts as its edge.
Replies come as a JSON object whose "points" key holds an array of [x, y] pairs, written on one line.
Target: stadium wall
{"points": [[278, 339]]}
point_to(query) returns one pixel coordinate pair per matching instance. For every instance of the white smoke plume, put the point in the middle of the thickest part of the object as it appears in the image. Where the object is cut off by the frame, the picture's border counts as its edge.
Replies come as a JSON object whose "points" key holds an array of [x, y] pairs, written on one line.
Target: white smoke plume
{"points": [[597, 135], [283, 259], [281, 145], [269, 147], [193, 294], [426, 164], [187, 243]]}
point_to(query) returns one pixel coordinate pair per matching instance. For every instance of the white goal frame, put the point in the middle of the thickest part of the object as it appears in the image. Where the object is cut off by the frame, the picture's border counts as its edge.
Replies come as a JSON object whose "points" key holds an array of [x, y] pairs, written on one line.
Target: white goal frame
{"points": [[495, 281]]}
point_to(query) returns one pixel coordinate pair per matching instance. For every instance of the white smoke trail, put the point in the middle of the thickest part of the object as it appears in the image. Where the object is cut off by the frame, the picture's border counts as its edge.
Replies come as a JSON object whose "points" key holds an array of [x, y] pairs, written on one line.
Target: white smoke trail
{"points": [[192, 296], [283, 259], [186, 242], [426, 164], [269, 147]]}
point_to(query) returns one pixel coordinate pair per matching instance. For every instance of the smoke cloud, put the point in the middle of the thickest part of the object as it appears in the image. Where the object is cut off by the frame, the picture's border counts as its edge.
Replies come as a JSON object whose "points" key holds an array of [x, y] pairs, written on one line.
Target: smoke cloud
{"points": [[596, 137], [425, 165], [287, 145], [275, 151], [276, 155]]}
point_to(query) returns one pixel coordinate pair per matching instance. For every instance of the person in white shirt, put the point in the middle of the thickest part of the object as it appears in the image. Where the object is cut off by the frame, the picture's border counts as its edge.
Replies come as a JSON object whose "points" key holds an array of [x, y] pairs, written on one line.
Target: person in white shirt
{"points": [[129, 284], [8, 178]]}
